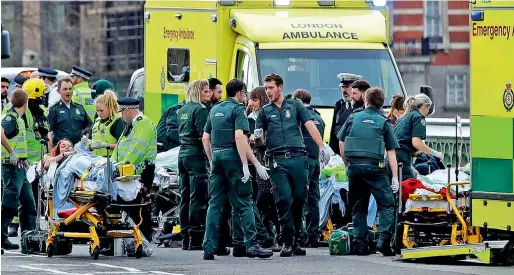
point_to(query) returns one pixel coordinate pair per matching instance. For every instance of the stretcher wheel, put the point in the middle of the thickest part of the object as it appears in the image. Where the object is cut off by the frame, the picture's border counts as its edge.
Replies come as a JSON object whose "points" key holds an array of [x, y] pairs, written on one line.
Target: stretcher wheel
{"points": [[50, 250], [95, 253], [139, 251]]}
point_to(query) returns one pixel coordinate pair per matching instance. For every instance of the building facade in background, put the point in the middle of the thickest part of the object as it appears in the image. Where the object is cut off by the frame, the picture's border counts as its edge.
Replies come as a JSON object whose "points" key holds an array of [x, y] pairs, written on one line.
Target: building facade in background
{"points": [[431, 46], [106, 37]]}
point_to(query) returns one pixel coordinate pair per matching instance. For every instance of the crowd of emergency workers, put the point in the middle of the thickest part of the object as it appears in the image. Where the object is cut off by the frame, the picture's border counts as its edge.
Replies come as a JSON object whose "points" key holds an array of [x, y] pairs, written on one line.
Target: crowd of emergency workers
{"points": [[248, 166]]}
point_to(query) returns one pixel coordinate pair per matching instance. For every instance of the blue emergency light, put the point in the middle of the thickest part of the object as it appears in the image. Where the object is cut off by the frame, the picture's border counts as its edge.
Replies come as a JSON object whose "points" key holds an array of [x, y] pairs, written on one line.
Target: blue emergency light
{"points": [[477, 15]]}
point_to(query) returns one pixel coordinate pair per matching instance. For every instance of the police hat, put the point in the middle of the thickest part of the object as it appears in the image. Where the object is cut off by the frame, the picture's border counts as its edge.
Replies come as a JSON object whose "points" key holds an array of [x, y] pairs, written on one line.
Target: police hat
{"points": [[100, 87], [78, 71], [128, 103], [47, 72], [347, 79], [19, 80]]}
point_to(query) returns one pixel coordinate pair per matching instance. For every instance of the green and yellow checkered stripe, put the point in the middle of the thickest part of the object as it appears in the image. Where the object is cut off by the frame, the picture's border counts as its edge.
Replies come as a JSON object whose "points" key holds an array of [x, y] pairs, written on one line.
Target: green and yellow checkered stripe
{"points": [[492, 152]]}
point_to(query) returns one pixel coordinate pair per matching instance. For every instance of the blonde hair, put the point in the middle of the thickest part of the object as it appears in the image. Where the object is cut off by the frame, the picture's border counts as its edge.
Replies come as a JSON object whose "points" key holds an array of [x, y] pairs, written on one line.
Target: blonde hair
{"points": [[110, 100], [195, 89], [416, 102]]}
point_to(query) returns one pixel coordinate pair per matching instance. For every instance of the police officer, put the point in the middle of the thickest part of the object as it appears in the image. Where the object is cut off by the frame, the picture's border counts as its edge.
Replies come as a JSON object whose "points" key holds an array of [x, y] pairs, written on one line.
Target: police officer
{"points": [[19, 80], [343, 107], [230, 175], [67, 119], [312, 203], [411, 130], [16, 191], [363, 140], [281, 119], [192, 165], [49, 76], [138, 146], [5, 88], [167, 128], [81, 90]]}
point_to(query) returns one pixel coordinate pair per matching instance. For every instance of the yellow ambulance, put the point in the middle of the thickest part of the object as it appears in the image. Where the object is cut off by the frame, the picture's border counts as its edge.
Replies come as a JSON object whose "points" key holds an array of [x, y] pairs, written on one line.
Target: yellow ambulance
{"points": [[307, 42]]}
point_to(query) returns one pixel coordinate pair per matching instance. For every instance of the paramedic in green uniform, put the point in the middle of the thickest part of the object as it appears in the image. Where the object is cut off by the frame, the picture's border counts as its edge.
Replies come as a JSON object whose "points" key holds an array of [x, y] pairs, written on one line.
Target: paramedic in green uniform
{"points": [[363, 140], [81, 90], [192, 165], [281, 120], [359, 88], [17, 197], [138, 146], [108, 125], [67, 119], [312, 203], [167, 129], [411, 130], [230, 175]]}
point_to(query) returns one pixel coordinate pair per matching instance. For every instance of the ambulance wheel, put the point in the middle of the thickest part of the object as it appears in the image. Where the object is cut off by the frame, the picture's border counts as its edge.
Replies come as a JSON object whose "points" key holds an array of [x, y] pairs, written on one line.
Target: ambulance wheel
{"points": [[139, 251], [95, 253], [50, 250]]}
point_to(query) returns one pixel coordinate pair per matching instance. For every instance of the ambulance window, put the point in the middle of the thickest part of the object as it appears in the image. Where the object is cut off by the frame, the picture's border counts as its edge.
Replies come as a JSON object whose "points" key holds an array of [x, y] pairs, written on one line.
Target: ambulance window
{"points": [[178, 65], [242, 66]]}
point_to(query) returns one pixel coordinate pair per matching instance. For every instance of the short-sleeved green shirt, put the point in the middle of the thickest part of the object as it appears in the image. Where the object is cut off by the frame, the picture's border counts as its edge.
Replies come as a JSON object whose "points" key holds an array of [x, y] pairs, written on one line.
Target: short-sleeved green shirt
{"points": [[191, 122], [283, 125], [224, 119], [410, 125], [67, 122]]}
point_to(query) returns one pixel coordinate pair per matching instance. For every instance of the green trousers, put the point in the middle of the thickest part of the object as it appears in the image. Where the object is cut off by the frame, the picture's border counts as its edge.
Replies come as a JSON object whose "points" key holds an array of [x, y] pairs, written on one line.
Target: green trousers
{"points": [[225, 182], [367, 179], [238, 232], [17, 199], [194, 197], [289, 179], [312, 203]]}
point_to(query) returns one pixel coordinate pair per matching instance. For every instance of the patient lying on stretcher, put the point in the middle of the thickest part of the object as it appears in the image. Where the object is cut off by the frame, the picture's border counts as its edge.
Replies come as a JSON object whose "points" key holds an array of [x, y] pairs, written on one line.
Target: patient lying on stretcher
{"points": [[63, 149]]}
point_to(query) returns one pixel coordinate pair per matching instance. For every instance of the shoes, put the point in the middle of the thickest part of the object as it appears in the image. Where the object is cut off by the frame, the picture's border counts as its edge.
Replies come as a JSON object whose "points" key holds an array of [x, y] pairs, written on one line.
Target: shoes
{"points": [[185, 244], [298, 251], [259, 252], [287, 251], [238, 251], [7, 245], [384, 247], [225, 251], [208, 256]]}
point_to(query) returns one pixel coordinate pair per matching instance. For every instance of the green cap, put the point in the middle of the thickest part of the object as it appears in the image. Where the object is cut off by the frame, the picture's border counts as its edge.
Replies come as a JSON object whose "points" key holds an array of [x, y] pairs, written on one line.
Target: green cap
{"points": [[100, 87]]}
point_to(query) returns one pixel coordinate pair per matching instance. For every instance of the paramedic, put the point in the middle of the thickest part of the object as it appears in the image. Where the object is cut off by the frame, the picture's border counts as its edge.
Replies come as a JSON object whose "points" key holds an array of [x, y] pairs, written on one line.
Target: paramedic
{"points": [[81, 90], [138, 146], [343, 107], [363, 140], [397, 109], [230, 176], [167, 129], [286, 155], [411, 130], [312, 202], [17, 197], [108, 125], [66, 118], [216, 89], [192, 165], [359, 89]]}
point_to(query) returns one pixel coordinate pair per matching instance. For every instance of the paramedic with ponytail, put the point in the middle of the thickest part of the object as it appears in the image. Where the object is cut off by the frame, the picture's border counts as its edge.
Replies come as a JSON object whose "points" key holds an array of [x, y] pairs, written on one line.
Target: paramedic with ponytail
{"points": [[108, 125], [363, 140], [138, 146], [411, 130]]}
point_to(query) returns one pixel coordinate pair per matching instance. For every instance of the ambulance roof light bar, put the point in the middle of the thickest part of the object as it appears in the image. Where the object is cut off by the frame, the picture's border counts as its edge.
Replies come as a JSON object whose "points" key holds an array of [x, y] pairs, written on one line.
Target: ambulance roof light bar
{"points": [[282, 2], [325, 3], [227, 2]]}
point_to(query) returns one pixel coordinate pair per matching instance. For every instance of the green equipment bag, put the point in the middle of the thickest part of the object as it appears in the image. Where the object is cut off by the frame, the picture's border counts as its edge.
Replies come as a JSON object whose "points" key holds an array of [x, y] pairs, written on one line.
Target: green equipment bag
{"points": [[339, 243], [372, 237]]}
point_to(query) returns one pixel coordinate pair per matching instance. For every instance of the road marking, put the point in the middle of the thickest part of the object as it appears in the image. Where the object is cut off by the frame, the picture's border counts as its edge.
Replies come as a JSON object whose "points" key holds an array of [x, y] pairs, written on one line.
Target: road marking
{"points": [[166, 273], [54, 271], [121, 272], [22, 255], [130, 269], [59, 265]]}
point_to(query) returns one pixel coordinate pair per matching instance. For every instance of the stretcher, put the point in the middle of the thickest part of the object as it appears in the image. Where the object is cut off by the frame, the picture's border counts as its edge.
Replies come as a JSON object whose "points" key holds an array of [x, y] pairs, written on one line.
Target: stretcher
{"points": [[96, 214]]}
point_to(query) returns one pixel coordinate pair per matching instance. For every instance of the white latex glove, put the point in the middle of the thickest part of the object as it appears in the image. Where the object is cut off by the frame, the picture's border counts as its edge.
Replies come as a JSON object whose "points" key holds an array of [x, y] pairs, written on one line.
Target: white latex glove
{"points": [[14, 158], [246, 173], [395, 184], [324, 158], [437, 154], [258, 133], [84, 140], [97, 145], [262, 171]]}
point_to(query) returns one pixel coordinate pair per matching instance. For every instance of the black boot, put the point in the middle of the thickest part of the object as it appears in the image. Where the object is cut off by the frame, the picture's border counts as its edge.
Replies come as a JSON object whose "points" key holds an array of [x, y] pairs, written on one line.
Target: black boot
{"points": [[238, 251], [195, 241], [384, 247], [257, 251], [224, 251], [298, 250], [13, 229], [208, 256], [7, 245], [286, 251]]}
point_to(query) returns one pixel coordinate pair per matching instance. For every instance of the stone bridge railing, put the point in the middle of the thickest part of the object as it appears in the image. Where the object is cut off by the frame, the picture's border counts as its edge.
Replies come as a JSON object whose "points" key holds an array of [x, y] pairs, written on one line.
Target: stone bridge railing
{"points": [[441, 133]]}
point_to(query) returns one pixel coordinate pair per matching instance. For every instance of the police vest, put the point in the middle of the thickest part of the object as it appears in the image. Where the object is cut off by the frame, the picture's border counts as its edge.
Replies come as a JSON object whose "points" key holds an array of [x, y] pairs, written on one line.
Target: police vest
{"points": [[82, 95], [19, 142], [135, 149], [223, 125], [101, 132], [366, 136]]}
